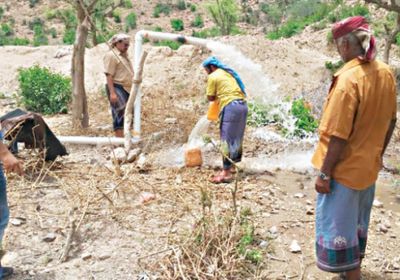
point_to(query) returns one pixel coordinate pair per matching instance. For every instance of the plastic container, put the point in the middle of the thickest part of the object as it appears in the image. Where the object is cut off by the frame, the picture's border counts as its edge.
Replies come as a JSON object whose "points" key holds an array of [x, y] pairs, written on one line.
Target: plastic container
{"points": [[193, 157], [213, 111]]}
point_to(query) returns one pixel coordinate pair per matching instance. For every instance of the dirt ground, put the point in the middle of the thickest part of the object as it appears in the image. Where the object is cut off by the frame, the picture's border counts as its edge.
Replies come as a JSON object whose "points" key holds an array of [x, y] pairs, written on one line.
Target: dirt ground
{"points": [[116, 235]]}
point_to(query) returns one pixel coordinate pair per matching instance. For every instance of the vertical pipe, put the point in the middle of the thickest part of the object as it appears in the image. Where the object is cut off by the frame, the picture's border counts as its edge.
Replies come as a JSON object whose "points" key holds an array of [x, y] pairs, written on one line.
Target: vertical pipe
{"points": [[138, 100]]}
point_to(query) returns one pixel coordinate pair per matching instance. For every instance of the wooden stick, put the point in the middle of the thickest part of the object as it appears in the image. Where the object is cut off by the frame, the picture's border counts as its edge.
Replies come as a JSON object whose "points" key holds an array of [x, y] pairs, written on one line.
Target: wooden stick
{"points": [[137, 80], [70, 237]]}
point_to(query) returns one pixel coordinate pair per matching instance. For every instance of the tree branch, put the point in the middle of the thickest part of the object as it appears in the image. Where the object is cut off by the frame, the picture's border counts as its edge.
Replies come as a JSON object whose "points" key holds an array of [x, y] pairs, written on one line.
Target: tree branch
{"points": [[392, 6]]}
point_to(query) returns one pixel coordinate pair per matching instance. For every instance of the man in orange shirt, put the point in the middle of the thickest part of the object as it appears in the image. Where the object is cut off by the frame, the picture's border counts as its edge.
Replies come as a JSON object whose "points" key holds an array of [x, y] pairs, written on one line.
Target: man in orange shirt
{"points": [[356, 126]]}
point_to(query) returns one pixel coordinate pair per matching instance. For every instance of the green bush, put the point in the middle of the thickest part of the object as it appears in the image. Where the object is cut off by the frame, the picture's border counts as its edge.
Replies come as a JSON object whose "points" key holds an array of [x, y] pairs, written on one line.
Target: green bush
{"points": [[305, 122], [172, 44], [1, 12], [329, 37], [53, 32], [181, 5], [157, 29], [35, 22], [117, 15], [224, 14], [333, 66], [193, 8], [20, 41], [130, 22], [7, 29], [69, 36], [127, 4], [68, 17], [161, 8], [345, 12], [39, 37], [44, 91], [50, 14], [177, 24], [198, 21], [302, 14], [32, 3]]}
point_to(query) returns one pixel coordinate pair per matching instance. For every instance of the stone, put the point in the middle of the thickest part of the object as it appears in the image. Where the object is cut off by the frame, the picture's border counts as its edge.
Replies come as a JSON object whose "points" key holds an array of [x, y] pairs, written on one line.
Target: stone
{"points": [[186, 51], [119, 154], [178, 179], [382, 228], [264, 244], [141, 162], [133, 154], [104, 256], [86, 256], [295, 247], [299, 195], [309, 202], [377, 204], [17, 221], [50, 237], [170, 120], [273, 230], [309, 210]]}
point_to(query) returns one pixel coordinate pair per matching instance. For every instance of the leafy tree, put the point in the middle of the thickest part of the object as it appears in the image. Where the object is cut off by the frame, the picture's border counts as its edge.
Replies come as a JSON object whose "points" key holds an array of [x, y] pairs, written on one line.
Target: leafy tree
{"points": [[224, 13]]}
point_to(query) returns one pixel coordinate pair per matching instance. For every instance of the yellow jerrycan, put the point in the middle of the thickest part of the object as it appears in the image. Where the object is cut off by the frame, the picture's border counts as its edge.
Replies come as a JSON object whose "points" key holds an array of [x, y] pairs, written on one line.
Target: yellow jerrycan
{"points": [[213, 111]]}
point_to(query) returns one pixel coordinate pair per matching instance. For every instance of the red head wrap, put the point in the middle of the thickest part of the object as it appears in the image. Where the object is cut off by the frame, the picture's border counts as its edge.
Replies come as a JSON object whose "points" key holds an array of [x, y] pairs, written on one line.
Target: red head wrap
{"points": [[357, 23]]}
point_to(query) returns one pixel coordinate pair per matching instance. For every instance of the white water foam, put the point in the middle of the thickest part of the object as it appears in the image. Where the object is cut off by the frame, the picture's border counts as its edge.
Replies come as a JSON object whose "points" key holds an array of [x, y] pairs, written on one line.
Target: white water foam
{"points": [[258, 86]]}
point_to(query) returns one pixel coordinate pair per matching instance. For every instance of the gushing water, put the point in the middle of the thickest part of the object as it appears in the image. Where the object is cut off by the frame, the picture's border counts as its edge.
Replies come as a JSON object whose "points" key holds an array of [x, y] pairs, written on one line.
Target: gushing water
{"points": [[196, 135], [258, 86]]}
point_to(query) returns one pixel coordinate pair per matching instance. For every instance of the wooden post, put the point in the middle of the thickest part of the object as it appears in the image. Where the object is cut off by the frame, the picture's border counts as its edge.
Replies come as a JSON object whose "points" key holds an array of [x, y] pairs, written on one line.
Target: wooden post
{"points": [[137, 80]]}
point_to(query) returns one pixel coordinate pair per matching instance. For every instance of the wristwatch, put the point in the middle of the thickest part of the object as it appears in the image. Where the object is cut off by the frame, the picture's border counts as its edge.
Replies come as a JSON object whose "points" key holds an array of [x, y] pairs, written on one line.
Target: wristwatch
{"points": [[323, 176]]}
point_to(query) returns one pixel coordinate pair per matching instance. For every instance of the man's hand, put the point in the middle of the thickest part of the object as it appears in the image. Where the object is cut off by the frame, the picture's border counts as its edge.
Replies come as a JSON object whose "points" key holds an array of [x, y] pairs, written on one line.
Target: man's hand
{"points": [[113, 98], [11, 164], [322, 186]]}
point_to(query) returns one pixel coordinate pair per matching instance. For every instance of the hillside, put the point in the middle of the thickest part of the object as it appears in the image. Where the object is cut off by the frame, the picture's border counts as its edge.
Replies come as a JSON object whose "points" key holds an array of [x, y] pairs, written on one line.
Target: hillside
{"points": [[154, 218]]}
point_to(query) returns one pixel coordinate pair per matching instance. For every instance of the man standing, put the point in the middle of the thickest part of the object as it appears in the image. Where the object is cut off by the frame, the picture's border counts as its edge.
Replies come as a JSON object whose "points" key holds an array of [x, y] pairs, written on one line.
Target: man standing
{"points": [[119, 73], [10, 163], [356, 126]]}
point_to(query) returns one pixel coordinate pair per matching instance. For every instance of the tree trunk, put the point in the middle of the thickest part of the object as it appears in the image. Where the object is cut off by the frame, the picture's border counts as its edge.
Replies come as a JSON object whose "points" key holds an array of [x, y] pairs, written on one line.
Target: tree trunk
{"points": [[80, 116]]}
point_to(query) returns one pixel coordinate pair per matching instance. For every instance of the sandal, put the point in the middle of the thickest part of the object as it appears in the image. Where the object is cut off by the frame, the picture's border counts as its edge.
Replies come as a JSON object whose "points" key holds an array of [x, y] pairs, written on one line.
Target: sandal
{"points": [[218, 179]]}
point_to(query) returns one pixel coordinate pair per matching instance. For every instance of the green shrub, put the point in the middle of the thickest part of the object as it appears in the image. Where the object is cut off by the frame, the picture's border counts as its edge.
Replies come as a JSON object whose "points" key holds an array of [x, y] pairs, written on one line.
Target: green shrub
{"points": [[302, 14], [130, 22], [117, 15], [1, 12], [39, 37], [177, 24], [181, 5], [50, 14], [172, 44], [333, 66], [69, 36], [35, 22], [32, 3], [7, 29], [53, 32], [127, 4], [305, 122], [345, 12], [20, 41], [44, 91], [157, 29], [193, 8], [224, 14], [198, 21], [68, 17], [161, 8]]}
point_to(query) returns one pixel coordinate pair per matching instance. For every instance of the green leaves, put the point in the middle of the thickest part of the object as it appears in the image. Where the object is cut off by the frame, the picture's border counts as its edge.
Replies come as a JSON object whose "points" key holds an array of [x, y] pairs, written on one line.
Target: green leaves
{"points": [[43, 91], [224, 14]]}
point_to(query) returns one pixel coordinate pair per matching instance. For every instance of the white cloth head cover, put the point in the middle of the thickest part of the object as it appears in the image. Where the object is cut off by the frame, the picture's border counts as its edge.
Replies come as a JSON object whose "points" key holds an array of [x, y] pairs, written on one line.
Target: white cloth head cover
{"points": [[117, 38]]}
